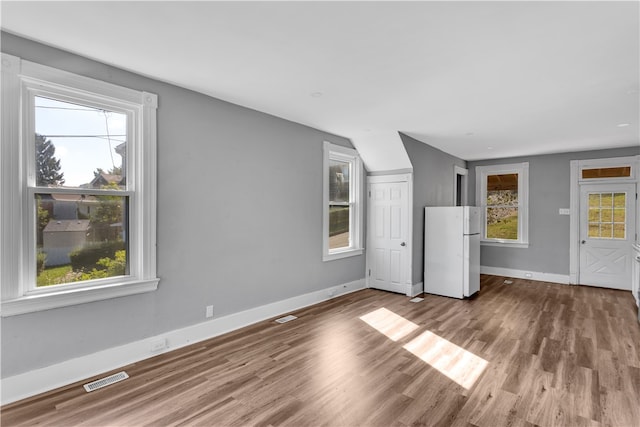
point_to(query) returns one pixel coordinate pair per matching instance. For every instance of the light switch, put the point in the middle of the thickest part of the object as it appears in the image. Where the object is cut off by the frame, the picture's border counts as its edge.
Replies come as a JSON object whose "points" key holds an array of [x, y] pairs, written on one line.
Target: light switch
{"points": [[563, 211]]}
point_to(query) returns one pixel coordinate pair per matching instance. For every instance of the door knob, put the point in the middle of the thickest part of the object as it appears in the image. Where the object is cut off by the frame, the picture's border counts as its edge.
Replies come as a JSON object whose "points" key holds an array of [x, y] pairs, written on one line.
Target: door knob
{"points": [[403, 244], [583, 242]]}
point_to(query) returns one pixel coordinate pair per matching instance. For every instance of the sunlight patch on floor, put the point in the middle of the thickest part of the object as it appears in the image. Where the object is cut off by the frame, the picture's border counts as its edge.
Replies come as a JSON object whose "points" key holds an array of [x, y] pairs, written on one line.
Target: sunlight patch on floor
{"points": [[385, 321], [455, 362]]}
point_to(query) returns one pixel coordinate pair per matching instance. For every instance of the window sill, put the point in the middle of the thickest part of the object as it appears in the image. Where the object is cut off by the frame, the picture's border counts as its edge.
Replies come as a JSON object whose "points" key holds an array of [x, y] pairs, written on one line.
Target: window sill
{"points": [[504, 244], [342, 254], [64, 298]]}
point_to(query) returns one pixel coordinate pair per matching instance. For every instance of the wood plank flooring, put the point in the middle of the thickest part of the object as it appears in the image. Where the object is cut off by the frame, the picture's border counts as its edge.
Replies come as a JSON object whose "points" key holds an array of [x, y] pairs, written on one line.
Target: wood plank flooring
{"points": [[521, 354]]}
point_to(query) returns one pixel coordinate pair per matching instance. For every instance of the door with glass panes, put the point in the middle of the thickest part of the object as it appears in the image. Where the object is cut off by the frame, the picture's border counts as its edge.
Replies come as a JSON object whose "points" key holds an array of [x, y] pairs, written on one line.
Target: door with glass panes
{"points": [[607, 229]]}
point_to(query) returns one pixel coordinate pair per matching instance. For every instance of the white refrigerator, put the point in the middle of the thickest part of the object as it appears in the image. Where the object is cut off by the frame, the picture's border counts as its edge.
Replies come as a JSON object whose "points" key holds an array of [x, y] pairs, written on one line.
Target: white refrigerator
{"points": [[452, 251]]}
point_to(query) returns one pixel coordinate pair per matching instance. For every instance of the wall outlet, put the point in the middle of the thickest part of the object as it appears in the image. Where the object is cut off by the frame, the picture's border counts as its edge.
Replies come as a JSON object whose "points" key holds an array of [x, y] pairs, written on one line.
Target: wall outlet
{"points": [[159, 344], [563, 211], [529, 275], [209, 311]]}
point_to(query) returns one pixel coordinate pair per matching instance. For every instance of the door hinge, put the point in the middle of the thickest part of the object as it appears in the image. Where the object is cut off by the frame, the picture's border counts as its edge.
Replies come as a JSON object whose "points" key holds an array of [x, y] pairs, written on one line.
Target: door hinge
{"points": [[369, 272], [370, 194]]}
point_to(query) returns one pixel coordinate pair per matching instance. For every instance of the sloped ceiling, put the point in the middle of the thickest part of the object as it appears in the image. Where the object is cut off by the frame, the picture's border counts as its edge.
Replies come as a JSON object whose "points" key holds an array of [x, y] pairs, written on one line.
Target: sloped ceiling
{"points": [[477, 80]]}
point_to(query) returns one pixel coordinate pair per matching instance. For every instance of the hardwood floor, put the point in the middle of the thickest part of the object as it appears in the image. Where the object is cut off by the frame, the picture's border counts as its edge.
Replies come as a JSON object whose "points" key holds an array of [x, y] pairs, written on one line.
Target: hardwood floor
{"points": [[520, 354]]}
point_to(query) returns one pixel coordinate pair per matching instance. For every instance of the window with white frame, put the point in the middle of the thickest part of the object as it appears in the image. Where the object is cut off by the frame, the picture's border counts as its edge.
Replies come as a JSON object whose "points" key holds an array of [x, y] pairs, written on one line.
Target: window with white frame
{"points": [[342, 211], [502, 191], [79, 182]]}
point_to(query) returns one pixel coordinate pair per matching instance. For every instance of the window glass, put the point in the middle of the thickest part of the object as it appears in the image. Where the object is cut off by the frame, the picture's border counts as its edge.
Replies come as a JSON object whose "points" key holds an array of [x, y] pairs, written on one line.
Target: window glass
{"points": [[79, 146], [339, 206], [502, 206], [80, 236], [599, 173], [607, 215]]}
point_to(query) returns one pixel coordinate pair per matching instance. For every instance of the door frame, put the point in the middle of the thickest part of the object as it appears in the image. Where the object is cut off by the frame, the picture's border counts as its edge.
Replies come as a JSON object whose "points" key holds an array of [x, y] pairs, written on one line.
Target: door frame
{"points": [[464, 174], [574, 201], [388, 179]]}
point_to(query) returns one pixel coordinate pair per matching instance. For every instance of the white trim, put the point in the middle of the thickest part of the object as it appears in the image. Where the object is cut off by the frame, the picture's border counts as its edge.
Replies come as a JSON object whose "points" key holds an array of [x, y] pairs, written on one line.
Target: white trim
{"points": [[605, 163], [416, 289], [457, 170], [522, 169], [576, 167], [574, 222], [45, 301], [21, 82], [45, 379], [374, 179], [356, 195], [529, 275]]}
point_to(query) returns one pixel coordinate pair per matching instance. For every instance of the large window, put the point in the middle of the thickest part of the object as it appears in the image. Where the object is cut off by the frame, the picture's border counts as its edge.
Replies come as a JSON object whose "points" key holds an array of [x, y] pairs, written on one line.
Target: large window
{"points": [[342, 215], [502, 193], [81, 154]]}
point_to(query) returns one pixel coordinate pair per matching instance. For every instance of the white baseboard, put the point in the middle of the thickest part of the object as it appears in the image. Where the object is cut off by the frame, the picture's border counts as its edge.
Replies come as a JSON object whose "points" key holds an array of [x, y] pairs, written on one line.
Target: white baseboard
{"points": [[523, 274], [48, 378]]}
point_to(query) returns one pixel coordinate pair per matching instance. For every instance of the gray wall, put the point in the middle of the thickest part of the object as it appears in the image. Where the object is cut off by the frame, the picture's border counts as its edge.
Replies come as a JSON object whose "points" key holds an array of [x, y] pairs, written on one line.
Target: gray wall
{"points": [[433, 185], [549, 189], [239, 222]]}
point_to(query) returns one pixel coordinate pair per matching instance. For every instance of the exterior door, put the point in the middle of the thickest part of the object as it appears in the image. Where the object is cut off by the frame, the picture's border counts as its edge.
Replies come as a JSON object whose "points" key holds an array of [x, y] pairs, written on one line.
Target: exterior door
{"points": [[388, 243], [607, 230]]}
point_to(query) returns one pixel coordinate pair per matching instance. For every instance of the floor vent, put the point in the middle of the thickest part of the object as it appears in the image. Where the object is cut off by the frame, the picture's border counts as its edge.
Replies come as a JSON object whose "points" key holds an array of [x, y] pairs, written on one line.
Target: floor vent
{"points": [[508, 282], [286, 319], [416, 299], [111, 379]]}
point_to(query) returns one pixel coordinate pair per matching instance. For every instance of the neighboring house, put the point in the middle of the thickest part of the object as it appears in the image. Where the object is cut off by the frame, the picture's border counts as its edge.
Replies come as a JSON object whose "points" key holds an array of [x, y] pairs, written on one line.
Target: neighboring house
{"points": [[62, 236], [103, 179]]}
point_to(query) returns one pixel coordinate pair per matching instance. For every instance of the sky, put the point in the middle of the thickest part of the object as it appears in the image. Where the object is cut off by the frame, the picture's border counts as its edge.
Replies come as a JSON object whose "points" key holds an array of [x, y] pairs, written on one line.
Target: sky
{"points": [[79, 134]]}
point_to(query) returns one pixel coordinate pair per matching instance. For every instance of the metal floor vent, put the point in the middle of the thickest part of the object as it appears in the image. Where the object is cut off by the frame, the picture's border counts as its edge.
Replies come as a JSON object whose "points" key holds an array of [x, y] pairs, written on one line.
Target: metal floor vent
{"points": [[508, 282], [416, 299], [111, 379], [286, 319]]}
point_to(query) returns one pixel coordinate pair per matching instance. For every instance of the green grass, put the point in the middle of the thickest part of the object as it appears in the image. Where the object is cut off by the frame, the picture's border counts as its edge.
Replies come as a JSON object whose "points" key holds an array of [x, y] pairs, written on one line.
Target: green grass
{"points": [[506, 228], [53, 275]]}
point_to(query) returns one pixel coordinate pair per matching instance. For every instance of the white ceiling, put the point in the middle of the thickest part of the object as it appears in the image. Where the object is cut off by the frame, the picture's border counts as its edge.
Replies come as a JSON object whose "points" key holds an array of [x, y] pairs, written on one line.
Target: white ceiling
{"points": [[478, 80]]}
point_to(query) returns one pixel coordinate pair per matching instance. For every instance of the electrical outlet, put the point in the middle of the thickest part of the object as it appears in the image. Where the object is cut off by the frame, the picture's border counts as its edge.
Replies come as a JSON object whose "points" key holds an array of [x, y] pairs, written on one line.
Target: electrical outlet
{"points": [[528, 275], [209, 312], [159, 344]]}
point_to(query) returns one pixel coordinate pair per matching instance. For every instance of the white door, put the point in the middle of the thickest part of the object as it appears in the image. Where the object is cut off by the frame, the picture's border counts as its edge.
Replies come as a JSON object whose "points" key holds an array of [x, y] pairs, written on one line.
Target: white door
{"points": [[388, 236], [607, 229]]}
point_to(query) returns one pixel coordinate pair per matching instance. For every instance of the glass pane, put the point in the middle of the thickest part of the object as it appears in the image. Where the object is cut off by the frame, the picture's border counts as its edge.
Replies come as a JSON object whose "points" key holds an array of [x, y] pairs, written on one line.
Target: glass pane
{"points": [[619, 231], [502, 223], [619, 215], [502, 190], [607, 215], [80, 237], [619, 172], [338, 227], [339, 181], [79, 146]]}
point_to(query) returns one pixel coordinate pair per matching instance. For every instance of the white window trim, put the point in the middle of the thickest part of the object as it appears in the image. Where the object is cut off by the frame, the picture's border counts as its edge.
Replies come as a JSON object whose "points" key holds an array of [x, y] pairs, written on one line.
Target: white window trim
{"points": [[522, 169], [19, 79], [337, 152]]}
